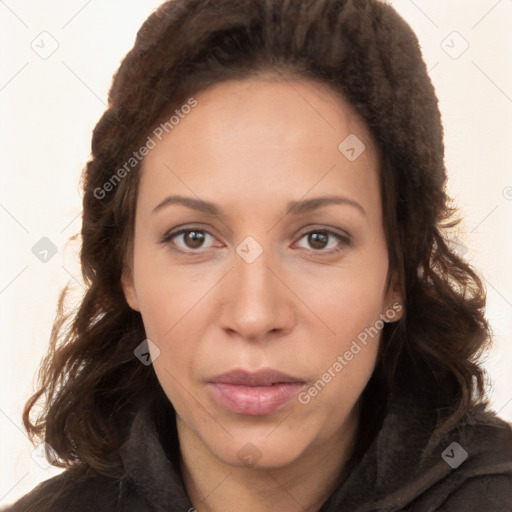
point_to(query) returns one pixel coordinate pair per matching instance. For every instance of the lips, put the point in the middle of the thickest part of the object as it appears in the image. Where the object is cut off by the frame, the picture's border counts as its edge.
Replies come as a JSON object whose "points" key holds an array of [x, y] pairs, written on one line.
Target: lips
{"points": [[254, 393]]}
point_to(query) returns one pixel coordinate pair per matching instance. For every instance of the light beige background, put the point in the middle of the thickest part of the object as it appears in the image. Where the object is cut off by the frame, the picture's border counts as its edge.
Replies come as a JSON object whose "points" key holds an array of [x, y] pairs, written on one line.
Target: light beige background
{"points": [[49, 107]]}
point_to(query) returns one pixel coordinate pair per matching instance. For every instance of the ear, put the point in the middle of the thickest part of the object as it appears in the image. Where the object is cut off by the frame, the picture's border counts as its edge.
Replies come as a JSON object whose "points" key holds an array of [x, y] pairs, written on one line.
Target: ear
{"points": [[394, 305], [128, 286]]}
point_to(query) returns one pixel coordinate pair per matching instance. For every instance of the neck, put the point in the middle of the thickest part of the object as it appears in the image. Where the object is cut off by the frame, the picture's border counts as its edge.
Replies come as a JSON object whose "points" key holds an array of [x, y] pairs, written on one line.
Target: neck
{"points": [[303, 485]]}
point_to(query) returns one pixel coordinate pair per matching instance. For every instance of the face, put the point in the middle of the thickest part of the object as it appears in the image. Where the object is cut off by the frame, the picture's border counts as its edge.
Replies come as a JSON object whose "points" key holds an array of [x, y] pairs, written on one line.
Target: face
{"points": [[265, 319]]}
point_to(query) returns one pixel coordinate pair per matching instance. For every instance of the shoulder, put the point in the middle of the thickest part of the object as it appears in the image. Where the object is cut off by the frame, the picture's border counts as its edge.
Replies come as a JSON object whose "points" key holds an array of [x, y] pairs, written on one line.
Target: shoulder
{"points": [[74, 489], [477, 456], [488, 439], [475, 494], [484, 492]]}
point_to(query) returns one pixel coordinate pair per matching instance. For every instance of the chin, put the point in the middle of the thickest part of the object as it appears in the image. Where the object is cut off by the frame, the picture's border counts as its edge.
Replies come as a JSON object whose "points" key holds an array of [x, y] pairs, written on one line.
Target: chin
{"points": [[268, 450]]}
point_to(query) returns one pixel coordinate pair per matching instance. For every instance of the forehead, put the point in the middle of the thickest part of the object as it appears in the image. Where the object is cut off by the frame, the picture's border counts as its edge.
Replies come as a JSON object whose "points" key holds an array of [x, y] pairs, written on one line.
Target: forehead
{"points": [[254, 139]]}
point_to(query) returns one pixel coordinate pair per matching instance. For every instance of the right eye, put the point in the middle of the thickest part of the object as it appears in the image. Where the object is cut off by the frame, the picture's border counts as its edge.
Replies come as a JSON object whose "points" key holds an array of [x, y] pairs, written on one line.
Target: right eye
{"points": [[187, 239]]}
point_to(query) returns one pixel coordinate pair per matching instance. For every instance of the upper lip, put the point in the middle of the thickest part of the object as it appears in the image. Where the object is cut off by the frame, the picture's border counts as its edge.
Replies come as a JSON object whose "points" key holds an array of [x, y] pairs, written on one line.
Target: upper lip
{"points": [[266, 377]]}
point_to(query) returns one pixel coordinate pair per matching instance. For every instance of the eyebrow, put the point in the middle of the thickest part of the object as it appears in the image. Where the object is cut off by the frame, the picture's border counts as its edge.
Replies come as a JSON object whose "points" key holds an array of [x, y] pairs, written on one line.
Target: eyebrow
{"points": [[294, 207]]}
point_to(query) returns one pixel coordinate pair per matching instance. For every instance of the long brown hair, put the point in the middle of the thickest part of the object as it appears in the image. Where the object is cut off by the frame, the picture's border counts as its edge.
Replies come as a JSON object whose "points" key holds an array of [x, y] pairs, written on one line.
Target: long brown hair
{"points": [[91, 384]]}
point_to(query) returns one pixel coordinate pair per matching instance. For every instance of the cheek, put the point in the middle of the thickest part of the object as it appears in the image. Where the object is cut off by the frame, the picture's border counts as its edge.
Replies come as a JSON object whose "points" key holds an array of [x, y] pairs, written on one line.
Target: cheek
{"points": [[341, 364], [350, 306], [349, 299], [169, 323], [158, 307], [172, 303], [166, 294]]}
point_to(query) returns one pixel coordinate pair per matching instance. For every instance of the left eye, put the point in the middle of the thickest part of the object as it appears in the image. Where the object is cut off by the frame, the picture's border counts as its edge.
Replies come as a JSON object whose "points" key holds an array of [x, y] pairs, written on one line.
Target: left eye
{"points": [[319, 240]]}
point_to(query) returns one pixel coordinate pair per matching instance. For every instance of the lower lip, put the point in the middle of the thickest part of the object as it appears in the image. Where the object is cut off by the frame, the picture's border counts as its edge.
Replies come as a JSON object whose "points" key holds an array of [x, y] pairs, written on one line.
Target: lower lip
{"points": [[255, 400]]}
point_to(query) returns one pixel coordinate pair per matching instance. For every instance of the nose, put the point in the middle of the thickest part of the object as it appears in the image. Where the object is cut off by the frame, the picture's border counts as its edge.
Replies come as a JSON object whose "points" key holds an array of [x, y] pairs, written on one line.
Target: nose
{"points": [[257, 304]]}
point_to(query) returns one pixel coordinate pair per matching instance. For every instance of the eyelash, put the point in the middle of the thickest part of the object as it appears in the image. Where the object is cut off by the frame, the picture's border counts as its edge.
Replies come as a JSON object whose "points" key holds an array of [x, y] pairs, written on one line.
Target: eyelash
{"points": [[345, 239]]}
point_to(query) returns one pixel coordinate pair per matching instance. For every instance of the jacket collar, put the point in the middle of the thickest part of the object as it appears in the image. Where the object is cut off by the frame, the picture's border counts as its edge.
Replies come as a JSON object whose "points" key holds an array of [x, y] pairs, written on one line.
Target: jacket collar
{"points": [[150, 470], [397, 466]]}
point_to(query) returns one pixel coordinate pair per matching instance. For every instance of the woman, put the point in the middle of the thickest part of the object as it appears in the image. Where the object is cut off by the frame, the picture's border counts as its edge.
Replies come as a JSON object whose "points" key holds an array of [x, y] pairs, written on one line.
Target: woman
{"points": [[274, 319]]}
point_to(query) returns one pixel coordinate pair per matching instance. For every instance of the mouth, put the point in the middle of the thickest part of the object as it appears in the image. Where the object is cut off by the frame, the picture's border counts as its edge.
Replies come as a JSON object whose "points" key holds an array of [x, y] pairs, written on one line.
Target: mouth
{"points": [[254, 393]]}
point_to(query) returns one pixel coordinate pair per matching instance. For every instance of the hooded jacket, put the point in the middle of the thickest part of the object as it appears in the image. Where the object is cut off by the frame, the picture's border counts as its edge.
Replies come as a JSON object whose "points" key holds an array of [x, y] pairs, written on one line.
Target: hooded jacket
{"points": [[415, 463]]}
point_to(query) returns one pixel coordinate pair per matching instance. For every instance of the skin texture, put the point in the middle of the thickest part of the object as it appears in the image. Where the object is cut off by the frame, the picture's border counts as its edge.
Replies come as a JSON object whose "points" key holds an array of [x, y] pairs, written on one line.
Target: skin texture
{"points": [[250, 147]]}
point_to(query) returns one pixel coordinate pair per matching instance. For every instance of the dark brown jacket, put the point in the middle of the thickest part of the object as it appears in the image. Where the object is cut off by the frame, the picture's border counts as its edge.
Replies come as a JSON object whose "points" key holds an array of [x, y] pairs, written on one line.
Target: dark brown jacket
{"points": [[414, 464]]}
